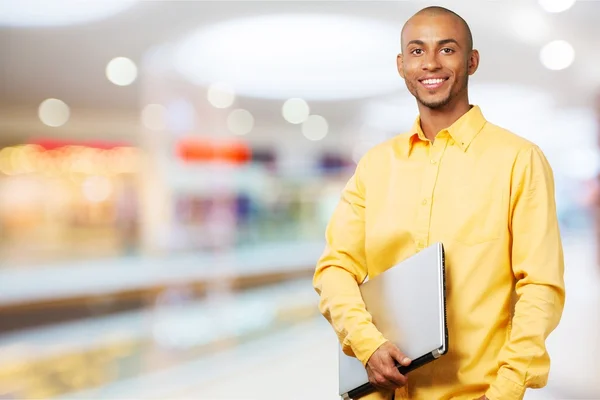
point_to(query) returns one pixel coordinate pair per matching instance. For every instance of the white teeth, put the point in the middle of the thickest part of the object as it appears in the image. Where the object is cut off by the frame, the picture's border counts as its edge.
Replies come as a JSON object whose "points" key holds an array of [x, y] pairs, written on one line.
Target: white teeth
{"points": [[433, 81]]}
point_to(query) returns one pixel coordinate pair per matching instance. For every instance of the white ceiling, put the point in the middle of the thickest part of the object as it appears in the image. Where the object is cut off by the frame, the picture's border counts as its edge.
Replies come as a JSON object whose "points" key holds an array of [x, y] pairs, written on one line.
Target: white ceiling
{"points": [[68, 62]]}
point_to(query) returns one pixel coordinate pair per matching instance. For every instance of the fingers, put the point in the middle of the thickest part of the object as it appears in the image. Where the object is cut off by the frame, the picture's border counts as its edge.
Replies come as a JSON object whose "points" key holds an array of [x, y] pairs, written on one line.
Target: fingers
{"points": [[383, 372], [399, 356], [389, 379], [395, 378]]}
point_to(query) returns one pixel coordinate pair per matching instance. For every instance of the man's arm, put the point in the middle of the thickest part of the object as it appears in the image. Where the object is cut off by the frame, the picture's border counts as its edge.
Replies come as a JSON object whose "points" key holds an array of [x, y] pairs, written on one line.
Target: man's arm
{"points": [[340, 270], [538, 266]]}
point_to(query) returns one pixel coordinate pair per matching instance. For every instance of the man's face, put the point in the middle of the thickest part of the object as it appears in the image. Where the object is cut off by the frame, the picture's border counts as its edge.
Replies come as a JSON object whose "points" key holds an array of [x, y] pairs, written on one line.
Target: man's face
{"points": [[436, 60]]}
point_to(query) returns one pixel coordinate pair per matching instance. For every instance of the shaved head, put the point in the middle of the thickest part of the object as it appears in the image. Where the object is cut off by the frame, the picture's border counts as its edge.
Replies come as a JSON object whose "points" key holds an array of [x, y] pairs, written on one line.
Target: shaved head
{"points": [[437, 58], [435, 11]]}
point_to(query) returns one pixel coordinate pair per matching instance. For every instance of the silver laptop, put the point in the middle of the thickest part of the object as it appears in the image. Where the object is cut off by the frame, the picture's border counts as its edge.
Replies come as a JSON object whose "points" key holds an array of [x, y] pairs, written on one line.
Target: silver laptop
{"points": [[408, 306]]}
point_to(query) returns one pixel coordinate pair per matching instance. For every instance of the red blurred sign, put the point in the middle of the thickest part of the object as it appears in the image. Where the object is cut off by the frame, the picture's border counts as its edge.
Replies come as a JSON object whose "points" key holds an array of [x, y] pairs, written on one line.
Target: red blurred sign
{"points": [[204, 150]]}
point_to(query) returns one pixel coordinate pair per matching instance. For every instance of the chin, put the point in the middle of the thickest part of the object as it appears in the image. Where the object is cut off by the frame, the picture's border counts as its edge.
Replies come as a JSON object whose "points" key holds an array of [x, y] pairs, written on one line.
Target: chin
{"points": [[435, 103]]}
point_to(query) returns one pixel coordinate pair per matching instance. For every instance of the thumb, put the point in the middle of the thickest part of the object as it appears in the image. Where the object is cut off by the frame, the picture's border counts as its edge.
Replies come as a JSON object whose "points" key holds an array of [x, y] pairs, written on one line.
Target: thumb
{"points": [[400, 357]]}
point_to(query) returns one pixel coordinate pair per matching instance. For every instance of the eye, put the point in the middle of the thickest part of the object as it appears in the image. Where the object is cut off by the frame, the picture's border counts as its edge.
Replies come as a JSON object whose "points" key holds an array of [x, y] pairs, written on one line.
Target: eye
{"points": [[447, 50], [417, 52]]}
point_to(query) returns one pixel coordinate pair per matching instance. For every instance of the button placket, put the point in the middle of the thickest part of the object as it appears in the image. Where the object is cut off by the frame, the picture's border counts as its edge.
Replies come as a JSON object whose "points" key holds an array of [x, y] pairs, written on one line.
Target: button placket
{"points": [[423, 219]]}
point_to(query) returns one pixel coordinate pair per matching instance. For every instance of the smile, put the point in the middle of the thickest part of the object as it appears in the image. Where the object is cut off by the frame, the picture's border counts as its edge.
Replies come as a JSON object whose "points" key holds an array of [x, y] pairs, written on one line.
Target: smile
{"points": [[433, 83]]}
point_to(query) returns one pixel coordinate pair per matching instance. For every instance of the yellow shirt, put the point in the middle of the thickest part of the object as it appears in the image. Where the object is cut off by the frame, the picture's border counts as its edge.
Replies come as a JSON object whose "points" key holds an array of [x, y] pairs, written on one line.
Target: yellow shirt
{"points": [[488, 196]]}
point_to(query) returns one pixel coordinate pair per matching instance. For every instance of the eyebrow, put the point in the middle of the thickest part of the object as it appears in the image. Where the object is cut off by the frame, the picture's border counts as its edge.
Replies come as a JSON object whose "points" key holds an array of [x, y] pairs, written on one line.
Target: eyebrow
{"points": [[440, 42]]}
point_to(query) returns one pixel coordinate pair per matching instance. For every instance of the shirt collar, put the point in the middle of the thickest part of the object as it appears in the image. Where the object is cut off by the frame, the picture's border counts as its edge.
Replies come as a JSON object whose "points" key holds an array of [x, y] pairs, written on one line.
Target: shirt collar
{"points": [[462, 131]]}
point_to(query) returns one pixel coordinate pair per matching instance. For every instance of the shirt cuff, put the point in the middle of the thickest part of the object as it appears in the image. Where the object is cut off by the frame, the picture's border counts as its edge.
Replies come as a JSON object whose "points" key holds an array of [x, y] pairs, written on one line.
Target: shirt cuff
{"points": [[505, 387], [365, 342]]}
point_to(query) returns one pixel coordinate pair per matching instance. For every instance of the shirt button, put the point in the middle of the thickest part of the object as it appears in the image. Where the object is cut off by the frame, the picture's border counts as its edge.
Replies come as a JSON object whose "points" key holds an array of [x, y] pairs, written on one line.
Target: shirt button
{"points": [[451, 142], [433, 161], [424, 201]]}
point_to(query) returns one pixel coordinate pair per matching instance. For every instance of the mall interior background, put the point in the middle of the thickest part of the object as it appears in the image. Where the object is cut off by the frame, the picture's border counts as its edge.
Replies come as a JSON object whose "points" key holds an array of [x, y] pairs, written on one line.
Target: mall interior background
{"points": [[167, 170]]}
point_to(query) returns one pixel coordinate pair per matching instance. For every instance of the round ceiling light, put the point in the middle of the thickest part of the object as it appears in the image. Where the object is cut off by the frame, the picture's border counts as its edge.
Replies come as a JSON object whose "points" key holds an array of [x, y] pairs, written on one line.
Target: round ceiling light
{"points": [[557, 55], [53, 13], [315, 128], [54, 112], [220, 95], [121, 71], [295, 111], [322, 57], [240, 121]]}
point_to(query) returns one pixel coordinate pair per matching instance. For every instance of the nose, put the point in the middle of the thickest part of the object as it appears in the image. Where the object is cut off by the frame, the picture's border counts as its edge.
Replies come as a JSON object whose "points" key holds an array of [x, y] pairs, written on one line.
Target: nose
{"points": [[431, 62]]}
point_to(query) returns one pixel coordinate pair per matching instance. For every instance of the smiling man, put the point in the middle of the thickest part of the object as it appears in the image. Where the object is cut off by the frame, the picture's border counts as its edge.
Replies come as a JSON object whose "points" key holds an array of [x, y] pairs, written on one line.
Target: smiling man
{"points": [[487, 195]]}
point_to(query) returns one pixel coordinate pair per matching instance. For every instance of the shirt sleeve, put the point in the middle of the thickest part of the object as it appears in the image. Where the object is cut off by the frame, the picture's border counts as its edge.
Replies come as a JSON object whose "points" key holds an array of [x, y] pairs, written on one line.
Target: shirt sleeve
{"points": [[538, 268], [340, 270]]}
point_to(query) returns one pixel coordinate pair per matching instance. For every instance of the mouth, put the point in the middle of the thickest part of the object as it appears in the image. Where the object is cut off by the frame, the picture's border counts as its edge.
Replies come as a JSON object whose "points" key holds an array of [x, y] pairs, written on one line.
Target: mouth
{"points": [[433, 83]]}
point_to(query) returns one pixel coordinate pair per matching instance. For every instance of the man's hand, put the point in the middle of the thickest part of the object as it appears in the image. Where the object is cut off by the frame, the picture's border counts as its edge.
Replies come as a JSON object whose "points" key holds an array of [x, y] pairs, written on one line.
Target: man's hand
{"points": [[382, 370]]}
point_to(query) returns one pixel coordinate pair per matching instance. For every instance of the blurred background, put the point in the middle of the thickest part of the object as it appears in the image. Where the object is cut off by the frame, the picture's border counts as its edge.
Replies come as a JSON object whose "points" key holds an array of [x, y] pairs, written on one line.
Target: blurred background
{"points": [[167, 170]]}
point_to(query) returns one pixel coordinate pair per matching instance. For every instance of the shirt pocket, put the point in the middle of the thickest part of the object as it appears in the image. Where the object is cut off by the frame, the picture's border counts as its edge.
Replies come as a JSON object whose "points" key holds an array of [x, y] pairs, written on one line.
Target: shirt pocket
{"points": [[475, 213]]}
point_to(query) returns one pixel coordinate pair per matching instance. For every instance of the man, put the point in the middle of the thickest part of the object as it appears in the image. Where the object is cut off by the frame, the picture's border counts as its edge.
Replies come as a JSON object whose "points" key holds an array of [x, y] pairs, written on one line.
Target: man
{"points": [[487, 195]]}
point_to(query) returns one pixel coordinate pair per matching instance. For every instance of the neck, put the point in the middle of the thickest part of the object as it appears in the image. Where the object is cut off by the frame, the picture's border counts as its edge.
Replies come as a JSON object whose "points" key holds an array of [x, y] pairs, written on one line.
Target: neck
{"points": [[438, 119]]}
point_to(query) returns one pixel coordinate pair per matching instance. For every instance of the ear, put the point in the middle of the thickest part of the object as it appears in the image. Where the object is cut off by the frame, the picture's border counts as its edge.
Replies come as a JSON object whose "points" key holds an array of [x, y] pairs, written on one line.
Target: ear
{"points": [[400, 65], [473, 62]]}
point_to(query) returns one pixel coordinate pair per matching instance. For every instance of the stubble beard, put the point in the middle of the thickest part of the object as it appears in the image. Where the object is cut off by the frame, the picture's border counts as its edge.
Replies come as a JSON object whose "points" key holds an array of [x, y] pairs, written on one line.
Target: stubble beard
{"points": [[439, 104]]}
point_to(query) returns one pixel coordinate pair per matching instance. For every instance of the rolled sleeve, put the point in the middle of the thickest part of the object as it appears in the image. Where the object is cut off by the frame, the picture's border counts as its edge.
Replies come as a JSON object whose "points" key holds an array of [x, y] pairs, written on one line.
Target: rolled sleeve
{"points": [[505, 388]]}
